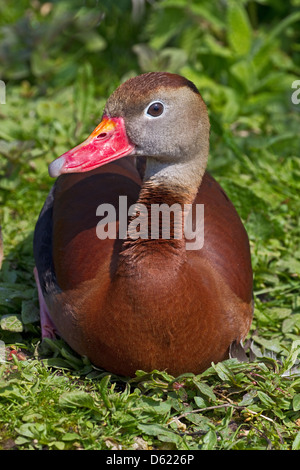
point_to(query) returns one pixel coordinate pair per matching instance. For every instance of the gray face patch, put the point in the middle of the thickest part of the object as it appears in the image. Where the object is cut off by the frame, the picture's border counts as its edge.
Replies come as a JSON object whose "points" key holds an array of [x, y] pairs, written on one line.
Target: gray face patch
{"points": [[177, 140]]}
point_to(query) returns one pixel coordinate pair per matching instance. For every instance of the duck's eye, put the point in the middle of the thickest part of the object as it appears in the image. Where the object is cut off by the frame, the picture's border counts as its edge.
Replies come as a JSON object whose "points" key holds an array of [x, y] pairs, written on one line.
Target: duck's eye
{"points": [[155, 109]]}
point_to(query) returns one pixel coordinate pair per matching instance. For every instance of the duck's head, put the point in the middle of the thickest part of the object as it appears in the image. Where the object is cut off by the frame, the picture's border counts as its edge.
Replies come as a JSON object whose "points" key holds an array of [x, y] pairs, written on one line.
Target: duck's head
{"points": [[157, 115]]}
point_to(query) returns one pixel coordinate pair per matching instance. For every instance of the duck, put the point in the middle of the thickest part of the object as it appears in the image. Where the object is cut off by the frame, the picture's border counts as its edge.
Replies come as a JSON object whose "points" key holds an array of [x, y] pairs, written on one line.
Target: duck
{"points": [[113, 282]]}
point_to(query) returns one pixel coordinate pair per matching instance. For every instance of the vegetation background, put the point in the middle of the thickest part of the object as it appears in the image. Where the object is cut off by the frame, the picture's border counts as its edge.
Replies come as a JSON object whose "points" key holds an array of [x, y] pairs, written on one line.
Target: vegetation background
{"points": [[59, 62]]}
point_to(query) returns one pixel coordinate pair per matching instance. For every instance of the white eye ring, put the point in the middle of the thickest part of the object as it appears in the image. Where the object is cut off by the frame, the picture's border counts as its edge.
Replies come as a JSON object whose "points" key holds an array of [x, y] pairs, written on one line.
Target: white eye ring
{"points": [[157, 108]]}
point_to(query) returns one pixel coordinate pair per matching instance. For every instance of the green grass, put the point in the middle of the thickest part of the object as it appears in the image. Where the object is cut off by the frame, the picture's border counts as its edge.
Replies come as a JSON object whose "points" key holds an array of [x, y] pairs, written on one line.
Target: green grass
{"points": [[48, 404], [244, 58]]}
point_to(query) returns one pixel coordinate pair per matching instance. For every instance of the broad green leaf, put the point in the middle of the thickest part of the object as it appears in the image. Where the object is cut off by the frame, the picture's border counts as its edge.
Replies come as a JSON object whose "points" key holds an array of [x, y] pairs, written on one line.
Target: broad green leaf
{"points": [[205, 390], [269, 345], [57, 445], [103, 389], [293, 356], [265, 399], [58, 363], [223, 371], [239, 31], [289, 323], [12, 393], [296, 402], [70, 436], [200, 402], [76, 399], [71, 358], [30, 417], [20, 440], [11, 323], [155, 406], [248, 398], [209, 440], [160, 431], [27, 430], [296, 443]]}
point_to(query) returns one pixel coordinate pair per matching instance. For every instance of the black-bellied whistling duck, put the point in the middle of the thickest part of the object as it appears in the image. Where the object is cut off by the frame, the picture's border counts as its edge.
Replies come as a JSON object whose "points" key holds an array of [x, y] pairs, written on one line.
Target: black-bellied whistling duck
{"points": [[128, 302]]}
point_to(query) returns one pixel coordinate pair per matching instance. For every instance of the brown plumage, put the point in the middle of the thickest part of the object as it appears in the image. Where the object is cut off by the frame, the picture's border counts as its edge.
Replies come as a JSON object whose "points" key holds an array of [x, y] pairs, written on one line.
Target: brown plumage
{"points": [[144, 303]]}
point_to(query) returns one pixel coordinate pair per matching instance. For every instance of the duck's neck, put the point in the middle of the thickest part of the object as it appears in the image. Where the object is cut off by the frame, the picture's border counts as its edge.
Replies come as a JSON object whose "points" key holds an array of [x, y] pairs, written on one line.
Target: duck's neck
{"points": [[156, 230], [186, 175]]}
